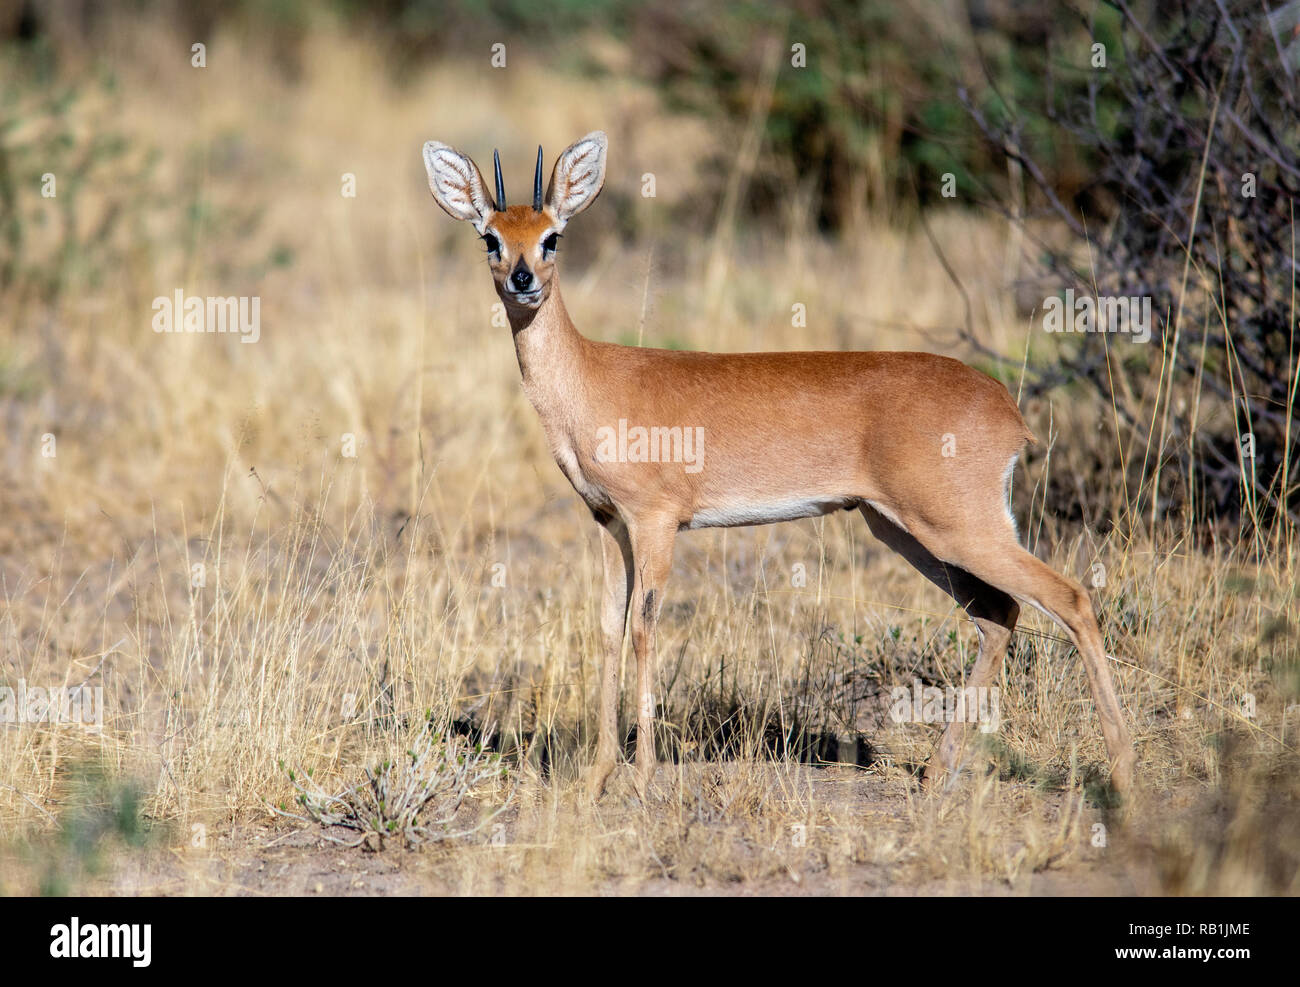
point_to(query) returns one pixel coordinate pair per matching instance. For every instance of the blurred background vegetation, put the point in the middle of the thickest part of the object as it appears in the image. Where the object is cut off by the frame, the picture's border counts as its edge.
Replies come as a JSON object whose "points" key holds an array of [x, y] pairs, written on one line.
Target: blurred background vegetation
{"points": [[840, 110], [871, 116]]}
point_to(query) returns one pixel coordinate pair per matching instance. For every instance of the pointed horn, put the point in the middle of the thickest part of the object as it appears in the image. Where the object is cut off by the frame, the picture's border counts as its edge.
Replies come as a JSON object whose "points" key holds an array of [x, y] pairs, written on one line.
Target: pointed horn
{"points": [[537, 181], [501, 186]]}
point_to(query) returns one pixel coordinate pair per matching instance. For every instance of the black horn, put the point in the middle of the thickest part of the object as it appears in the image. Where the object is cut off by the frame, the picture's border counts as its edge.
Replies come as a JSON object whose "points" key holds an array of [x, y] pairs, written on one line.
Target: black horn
{"points": [[537, 181], [501, 186]]}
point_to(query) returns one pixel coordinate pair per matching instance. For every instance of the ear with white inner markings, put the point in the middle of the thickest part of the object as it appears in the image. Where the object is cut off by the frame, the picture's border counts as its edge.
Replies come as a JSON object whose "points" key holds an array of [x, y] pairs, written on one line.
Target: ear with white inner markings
{"points": [[578, 177], [457, 184]]}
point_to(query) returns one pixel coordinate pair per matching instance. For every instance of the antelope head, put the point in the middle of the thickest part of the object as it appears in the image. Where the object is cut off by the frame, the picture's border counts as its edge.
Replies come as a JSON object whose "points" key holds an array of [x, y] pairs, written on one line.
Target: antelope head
{"points": [[521, 241]]}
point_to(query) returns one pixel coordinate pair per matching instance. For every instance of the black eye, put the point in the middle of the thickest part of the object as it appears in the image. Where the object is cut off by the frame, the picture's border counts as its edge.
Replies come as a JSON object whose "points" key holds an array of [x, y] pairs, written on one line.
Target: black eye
{"points": [[493, 244], [550, 243]]}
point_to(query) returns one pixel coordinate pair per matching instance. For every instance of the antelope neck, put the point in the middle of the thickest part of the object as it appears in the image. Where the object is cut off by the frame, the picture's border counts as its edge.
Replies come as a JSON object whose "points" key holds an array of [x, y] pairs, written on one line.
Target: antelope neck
{"points": [[549, 349]]}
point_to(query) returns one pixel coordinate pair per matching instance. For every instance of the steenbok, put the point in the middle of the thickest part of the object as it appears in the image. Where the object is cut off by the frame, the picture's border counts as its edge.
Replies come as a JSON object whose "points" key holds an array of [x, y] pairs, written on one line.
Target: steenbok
{"points": [[658, 441]]}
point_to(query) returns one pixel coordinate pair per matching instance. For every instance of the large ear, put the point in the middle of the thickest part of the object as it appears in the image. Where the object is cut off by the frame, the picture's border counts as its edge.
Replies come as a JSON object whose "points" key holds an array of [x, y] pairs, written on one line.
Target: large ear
{"points": [[457, 185], [578, 177]]}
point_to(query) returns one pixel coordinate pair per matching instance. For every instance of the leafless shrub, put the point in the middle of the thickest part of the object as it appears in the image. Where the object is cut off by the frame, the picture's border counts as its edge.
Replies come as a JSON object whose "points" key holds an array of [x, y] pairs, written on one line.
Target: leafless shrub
{"points": [[417, 798], [1193, 131]]}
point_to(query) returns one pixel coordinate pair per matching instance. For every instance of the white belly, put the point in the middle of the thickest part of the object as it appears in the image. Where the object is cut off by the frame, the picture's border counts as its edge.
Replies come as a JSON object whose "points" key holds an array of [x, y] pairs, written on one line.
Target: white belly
{"points": [[766, 511]]}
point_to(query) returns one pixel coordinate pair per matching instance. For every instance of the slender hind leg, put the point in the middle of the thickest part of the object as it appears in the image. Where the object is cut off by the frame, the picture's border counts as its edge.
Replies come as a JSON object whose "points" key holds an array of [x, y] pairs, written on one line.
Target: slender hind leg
{"points": [[993, 612], [995, 560], [1014, 570]]}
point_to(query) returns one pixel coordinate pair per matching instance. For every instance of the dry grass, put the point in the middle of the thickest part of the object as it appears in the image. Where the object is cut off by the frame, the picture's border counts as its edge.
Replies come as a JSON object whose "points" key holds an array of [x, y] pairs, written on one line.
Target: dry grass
{"points": [[345, 602]]}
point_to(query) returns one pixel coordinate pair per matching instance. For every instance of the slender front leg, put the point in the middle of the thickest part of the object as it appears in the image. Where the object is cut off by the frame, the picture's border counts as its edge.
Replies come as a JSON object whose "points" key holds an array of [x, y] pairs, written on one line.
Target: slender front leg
{"points": [[652, 553], [616, 552]]}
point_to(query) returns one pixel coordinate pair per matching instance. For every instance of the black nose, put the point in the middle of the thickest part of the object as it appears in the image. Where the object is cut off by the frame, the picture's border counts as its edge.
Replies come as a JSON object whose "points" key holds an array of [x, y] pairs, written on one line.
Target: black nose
{"points": [[521, 278]]}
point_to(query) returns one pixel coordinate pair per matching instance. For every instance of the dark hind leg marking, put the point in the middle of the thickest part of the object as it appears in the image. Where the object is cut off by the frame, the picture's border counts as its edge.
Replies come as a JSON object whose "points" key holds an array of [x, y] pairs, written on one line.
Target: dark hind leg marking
{"points": [[993, 611]]}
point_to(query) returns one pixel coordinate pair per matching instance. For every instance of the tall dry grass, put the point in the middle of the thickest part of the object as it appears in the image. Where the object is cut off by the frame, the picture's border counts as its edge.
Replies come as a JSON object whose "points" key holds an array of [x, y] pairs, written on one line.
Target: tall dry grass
{"points": [[247, 595]]}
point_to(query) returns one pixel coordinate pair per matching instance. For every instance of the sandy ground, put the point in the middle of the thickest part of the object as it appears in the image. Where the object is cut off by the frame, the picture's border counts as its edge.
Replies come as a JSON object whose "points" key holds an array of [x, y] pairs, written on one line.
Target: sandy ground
{"points": [[283, 858]]}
